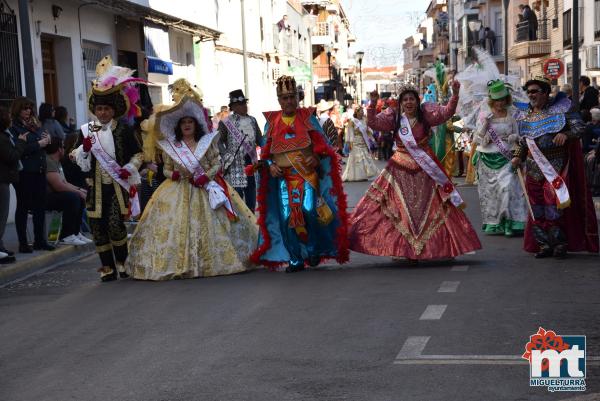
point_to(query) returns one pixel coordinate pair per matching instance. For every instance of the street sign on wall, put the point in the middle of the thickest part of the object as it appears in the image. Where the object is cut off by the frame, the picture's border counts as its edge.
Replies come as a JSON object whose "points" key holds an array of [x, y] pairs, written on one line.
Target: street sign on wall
{"points": [[553, 68], [159, 66]]}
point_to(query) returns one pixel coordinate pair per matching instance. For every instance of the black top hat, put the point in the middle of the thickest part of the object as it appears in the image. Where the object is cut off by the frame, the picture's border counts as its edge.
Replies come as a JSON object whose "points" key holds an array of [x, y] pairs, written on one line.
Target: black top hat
{"points": [[237, 96]]}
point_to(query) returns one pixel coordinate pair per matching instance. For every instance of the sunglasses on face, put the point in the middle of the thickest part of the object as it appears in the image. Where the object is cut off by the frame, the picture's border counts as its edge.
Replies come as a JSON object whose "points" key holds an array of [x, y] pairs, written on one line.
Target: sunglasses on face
{"points": [[533, 91], [28, 108]]}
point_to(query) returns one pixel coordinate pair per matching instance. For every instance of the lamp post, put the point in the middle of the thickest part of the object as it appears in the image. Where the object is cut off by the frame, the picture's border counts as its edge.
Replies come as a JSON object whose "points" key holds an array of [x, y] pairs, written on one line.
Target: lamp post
{"points": [[575, 56], [505, 4], [329, 63], [359, 58], [244, 50]]}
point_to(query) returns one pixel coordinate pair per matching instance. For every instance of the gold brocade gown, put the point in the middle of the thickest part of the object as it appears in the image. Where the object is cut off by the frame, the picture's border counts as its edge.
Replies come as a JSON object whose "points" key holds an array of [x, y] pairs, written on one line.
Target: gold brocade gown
{"points": [[180, 236]]}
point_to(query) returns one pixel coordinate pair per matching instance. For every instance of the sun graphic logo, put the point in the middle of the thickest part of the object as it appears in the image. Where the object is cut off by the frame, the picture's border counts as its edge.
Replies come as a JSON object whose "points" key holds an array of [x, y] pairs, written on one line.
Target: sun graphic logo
{"points": [[556, 362]]}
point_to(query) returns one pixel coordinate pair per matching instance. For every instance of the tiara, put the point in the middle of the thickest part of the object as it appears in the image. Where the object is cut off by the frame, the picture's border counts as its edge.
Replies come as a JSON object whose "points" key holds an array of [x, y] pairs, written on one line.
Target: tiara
{"points": [[407, 87]]}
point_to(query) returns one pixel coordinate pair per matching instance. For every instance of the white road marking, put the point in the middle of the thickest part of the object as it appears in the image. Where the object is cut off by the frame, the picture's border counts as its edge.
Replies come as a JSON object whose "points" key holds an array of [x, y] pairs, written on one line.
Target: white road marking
{"points": [[449, 286], [433, 312], [413, 347], [462, 268], [412, 354], [471, 360]]}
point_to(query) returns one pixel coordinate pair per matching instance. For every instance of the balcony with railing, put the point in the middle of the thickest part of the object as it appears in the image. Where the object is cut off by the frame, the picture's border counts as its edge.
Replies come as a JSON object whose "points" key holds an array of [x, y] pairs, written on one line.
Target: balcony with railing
{"points": [[322, 35], [283, 41], [495, 47], [592, 58], [596, 19], [531, 40], [325, 72], [568, 28]]}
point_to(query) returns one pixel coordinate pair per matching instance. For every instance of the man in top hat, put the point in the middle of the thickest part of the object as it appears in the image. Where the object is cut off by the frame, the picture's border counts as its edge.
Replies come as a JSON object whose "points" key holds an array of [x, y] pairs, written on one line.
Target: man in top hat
{"points": [[563, 214], [111, 155], [239, 135], [301, 203]]}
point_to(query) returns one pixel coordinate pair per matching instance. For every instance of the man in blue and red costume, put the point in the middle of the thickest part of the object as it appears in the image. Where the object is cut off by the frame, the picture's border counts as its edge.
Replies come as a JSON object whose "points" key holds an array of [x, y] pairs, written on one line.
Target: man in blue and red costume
{"points": [[563, 214], [301, 202]]}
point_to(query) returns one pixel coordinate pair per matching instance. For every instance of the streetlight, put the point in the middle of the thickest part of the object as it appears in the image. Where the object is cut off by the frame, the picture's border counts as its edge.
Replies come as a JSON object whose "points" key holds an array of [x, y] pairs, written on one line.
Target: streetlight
{"points": [[505, 4], [359, 58], [329, 63]]}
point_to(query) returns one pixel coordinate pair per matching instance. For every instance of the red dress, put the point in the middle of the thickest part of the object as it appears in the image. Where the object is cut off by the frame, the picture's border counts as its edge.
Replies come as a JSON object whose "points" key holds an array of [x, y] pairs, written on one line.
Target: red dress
{"points": [[402, 213]]}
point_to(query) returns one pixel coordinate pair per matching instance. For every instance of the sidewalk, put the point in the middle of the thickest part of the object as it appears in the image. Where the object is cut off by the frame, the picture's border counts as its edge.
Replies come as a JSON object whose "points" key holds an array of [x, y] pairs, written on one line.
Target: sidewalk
{"points": [[28, 263]]}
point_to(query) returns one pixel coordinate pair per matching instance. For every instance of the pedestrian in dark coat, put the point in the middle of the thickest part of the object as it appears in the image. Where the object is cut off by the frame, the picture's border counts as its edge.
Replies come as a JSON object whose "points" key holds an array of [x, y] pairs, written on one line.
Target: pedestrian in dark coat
{"points": [[588, 95], [10, 155], [31, 188], [49, 123], [68, 124]]}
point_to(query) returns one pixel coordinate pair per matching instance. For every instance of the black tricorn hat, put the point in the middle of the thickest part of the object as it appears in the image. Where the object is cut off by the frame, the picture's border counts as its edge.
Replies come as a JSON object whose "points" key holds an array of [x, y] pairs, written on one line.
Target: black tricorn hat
{"points": [[237, 96], [539, 80]]}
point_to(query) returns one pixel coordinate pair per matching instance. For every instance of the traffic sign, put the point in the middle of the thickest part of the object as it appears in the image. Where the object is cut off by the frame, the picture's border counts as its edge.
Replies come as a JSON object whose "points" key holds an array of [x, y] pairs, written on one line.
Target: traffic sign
{"points": [[553, 68]]}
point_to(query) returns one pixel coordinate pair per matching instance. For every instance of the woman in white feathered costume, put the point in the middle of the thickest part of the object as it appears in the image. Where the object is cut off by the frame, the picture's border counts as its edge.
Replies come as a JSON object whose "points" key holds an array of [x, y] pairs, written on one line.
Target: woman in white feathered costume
{"points": [[360, 165], [503, 206], [195, 224], [486, 108]]}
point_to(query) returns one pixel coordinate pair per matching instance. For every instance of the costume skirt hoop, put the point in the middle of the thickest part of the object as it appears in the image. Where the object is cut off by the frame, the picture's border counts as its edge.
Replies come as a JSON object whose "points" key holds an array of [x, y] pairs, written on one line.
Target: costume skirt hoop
{"points": [[403, 215], [360, 165], [181, 236], [503, 205]]}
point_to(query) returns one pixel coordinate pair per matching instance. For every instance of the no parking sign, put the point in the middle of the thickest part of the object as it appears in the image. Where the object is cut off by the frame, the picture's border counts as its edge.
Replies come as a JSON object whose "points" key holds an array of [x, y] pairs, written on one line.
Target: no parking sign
{"points": [[553, 68]]}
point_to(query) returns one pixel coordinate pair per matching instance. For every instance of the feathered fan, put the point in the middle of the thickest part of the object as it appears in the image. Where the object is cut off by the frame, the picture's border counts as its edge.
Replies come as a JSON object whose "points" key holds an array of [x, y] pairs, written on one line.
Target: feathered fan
{"points": [[472, 103]]}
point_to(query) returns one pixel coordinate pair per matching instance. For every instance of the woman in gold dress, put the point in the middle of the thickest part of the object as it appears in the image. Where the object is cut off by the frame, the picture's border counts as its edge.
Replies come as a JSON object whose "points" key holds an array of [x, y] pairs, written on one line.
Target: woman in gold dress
{"points": [[195, 224]]}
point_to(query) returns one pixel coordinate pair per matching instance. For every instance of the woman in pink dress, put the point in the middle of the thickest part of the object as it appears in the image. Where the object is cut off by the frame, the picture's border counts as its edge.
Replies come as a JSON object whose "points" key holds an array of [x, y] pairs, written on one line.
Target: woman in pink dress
{"points": [[412, 209]]}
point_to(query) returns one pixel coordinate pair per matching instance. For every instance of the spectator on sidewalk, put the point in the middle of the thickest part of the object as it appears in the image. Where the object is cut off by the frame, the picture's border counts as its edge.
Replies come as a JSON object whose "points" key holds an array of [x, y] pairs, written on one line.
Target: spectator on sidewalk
{"points": [[68, 124], [591, 135], [568, 90], [64, 197], [592, 169], [588, 95], [72, 171], [590, 147], [10, 155], [31, 188], [49, 123]]}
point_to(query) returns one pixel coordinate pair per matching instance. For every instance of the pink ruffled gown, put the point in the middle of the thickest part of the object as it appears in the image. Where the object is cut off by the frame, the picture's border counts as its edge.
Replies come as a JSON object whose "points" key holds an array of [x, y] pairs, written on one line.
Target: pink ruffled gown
{"points": [[402, 213]]}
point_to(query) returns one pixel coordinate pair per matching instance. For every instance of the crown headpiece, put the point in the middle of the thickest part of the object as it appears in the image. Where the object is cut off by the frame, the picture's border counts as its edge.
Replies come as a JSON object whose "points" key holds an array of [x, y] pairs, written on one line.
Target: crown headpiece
{"points": [[286, 85], [182, 87], [407, 87]]}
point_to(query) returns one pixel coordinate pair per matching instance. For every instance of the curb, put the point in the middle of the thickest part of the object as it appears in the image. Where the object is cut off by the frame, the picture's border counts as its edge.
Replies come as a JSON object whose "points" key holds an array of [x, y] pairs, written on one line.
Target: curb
{"points": [[61, 255]]}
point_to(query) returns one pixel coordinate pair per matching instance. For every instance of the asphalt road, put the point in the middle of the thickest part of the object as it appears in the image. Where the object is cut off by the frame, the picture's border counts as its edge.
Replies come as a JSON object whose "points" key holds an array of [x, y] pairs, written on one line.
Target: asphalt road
{"points": [[333, 333]]}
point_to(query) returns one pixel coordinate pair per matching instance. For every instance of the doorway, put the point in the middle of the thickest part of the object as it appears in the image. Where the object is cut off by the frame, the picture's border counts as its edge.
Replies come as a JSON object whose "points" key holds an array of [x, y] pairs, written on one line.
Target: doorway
{"points": [[49, 68]]}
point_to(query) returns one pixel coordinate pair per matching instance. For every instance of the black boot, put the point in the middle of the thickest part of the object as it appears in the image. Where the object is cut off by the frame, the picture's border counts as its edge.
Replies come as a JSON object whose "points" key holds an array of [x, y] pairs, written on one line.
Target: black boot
{"points": [[314, 260], [294, 267], [107, 273], [543, 241], [559, 242], [121, 270]]}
